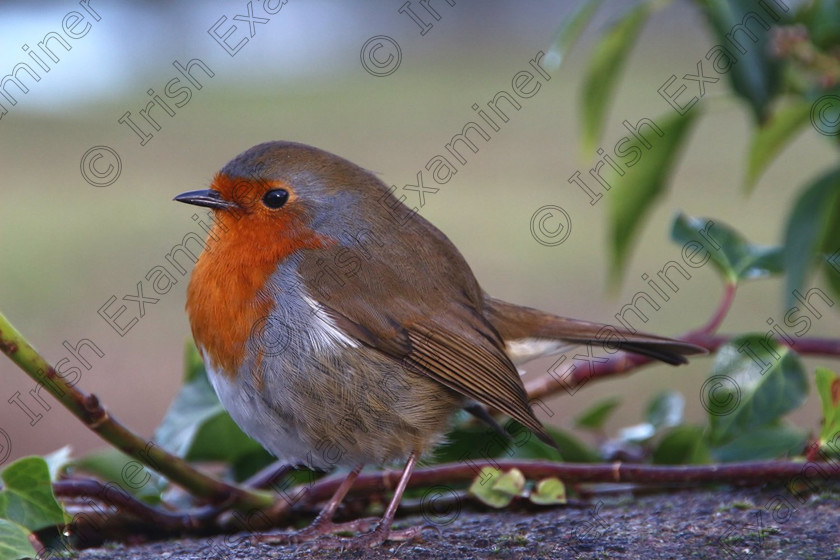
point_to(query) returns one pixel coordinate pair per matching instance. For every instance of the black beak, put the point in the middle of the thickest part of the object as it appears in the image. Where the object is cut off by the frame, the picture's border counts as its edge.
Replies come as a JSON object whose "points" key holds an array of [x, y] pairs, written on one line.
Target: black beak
{"points": [[208, 198]]}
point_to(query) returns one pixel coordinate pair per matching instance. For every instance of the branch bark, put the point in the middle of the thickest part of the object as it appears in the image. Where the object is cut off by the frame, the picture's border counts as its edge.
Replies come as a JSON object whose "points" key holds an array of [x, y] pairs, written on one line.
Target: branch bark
{"points": [[88, 409]]}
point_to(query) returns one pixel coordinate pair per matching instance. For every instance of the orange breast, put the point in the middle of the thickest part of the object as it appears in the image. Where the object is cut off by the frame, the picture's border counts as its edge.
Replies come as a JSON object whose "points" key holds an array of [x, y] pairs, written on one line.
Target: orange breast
{"points": [[227, 297]]}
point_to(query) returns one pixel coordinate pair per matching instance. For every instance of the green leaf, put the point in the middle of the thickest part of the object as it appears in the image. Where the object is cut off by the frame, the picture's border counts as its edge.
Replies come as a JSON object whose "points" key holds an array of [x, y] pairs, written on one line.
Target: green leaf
{"points": [[754, 74], [633, 194], [595, 416], [683, 445], [571, 448], [482, 489], [831, 271], [813, 226], [771, 137], [665, 410], [569, 32], [604, 71], [113, 466], [468, 440], [14, 541], [549, 491], [197, 427], [753, 383], [768, 442], [828, 388], [27, 497], [822, 18], [731, 254], [511, 482]]}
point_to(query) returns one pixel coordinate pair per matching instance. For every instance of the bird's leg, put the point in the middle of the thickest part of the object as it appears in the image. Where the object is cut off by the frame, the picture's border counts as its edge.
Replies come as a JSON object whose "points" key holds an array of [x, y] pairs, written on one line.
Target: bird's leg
{"points": [[382, 531], [323, 524]]}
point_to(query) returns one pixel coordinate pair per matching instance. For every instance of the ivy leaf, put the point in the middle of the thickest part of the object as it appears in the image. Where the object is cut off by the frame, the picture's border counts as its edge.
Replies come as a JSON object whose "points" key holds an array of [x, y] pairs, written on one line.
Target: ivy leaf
{"points": [[569, 32], [632, 194], [468, 440], [197, 427], [113, 466], [768, 442], [27, 497], [572, 449], [595, 416], [732, 255], [14, 541], [683, 445], [482, 489], [665, 410], [755, 75], [549, 491], [772, 136], [828, 388], [606, 63], [511, 482], [753, 383], [813, 226]]}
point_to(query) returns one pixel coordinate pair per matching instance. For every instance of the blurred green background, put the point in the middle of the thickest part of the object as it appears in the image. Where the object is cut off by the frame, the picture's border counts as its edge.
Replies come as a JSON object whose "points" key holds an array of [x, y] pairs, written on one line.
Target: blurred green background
{"points": [[66, 247]]}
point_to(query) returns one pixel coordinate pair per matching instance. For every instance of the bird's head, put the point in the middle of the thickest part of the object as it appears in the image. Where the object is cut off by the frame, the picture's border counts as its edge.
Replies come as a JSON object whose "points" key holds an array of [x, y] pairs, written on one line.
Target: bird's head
{"points": [[289, 196]]}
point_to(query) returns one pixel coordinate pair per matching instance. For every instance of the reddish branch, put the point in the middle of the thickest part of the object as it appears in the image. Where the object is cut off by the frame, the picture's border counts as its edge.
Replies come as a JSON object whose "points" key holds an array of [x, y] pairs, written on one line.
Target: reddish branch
{"points": [[450, 477], [705, 336]]}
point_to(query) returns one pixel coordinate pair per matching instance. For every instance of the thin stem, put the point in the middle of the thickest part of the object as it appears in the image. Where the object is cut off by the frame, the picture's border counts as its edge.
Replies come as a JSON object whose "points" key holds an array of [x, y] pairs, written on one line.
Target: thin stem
{"points": [[548, 385], [125, 502], [455, 474], [88, 409], [722, 309]]}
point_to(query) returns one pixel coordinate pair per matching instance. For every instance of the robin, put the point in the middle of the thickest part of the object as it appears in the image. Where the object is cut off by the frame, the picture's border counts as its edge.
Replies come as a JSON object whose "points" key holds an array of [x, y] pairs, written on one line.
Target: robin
{"points": [[339, 328]]}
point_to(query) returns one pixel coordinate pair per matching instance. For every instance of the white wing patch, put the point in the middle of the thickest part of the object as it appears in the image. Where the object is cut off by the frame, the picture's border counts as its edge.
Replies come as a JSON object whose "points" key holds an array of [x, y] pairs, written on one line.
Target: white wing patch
{"points": [[524, 350], [323, 333]]}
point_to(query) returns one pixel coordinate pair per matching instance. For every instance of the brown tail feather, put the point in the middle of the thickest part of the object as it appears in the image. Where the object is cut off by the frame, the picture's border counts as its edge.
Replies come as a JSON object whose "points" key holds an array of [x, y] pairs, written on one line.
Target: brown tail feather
{"points": [[517, 323]]}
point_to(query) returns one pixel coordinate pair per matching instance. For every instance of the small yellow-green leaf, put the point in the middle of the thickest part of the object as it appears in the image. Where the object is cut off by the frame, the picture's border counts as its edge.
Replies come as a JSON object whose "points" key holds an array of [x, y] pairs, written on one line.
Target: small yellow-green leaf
{"points": [[549, 491], [511, 482], [771, 137], [828, 388], [482, 489]]}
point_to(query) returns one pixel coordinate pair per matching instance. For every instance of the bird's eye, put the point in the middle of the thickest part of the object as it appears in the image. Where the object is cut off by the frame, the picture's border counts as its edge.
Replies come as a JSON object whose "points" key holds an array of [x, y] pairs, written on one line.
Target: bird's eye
{"points": [[275, 198]]}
